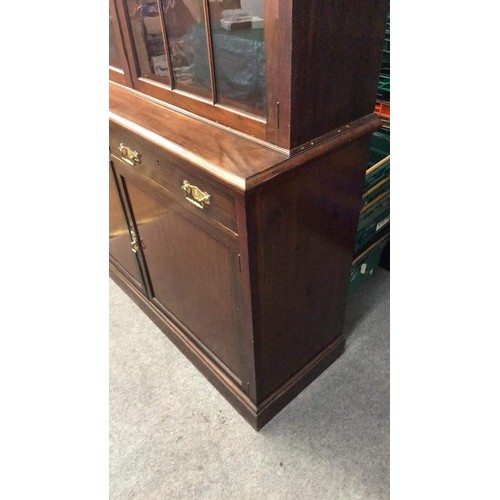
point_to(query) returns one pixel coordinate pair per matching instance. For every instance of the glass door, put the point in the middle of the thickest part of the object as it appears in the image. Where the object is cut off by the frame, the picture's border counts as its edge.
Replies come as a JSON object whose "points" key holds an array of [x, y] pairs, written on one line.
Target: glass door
{"points": [[237, 33], [118, 66], [204, 56]]}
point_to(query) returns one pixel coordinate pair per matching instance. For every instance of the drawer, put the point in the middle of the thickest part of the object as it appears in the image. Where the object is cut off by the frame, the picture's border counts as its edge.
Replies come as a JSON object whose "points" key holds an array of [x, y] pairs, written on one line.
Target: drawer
{"points": [[188, 186]]}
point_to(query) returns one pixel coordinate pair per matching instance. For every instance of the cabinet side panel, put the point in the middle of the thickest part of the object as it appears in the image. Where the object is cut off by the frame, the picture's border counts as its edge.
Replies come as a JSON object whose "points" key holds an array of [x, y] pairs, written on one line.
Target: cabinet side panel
{"points": [[337, 52], [301, 232]]}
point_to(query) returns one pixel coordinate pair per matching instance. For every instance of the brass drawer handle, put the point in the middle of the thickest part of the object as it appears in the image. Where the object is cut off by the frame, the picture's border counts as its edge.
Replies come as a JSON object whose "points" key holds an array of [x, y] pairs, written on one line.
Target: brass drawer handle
{"points": [[129, 156], [195, 195]]}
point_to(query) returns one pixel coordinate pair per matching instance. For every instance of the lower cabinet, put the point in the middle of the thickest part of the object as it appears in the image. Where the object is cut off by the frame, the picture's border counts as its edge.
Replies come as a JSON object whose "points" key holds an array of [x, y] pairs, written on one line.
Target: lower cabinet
{"points": [[240, 254], [191, 268]]}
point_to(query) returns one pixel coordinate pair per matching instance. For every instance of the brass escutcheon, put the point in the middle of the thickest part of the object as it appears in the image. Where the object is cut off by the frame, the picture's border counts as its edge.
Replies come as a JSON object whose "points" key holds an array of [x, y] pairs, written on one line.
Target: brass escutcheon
{"points": [[134, 243]]}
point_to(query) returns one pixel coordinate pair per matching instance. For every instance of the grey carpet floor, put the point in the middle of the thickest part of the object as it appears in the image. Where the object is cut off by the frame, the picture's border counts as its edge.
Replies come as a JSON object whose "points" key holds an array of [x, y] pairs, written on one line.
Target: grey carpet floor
{"points": [[172, 436]]}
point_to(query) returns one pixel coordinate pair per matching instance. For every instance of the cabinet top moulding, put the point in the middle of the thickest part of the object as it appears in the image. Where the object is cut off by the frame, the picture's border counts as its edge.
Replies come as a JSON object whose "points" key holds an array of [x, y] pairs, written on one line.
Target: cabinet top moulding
{"points": [[240, 163], [315, 63]]}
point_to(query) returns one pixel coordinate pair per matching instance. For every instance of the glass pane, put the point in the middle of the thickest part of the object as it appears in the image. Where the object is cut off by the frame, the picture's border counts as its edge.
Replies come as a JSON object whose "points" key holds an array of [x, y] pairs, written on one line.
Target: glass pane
{"points": [[239, 57], [187, 42], [148, 39], [114, 56]]}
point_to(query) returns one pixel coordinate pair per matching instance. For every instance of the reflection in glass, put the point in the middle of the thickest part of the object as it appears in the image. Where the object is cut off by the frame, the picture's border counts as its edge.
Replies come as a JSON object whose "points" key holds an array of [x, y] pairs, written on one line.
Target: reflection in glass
{"points": [[239, 58], [187, 43], [148, 39], [237, 39], [114, 56]]}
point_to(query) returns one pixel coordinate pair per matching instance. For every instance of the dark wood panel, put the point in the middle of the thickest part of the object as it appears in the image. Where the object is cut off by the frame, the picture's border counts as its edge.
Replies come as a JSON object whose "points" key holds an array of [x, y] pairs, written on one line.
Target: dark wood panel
{"points": [[271, 16], [337, 51], [301, 230], [194, 276], [283, 83], [119, 236]]}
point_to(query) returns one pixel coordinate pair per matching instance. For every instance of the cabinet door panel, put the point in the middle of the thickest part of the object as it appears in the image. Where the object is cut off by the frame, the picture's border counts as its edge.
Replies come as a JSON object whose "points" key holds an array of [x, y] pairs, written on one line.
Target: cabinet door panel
{"points": [[194, 275], [119, 237], [118, 65]]}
